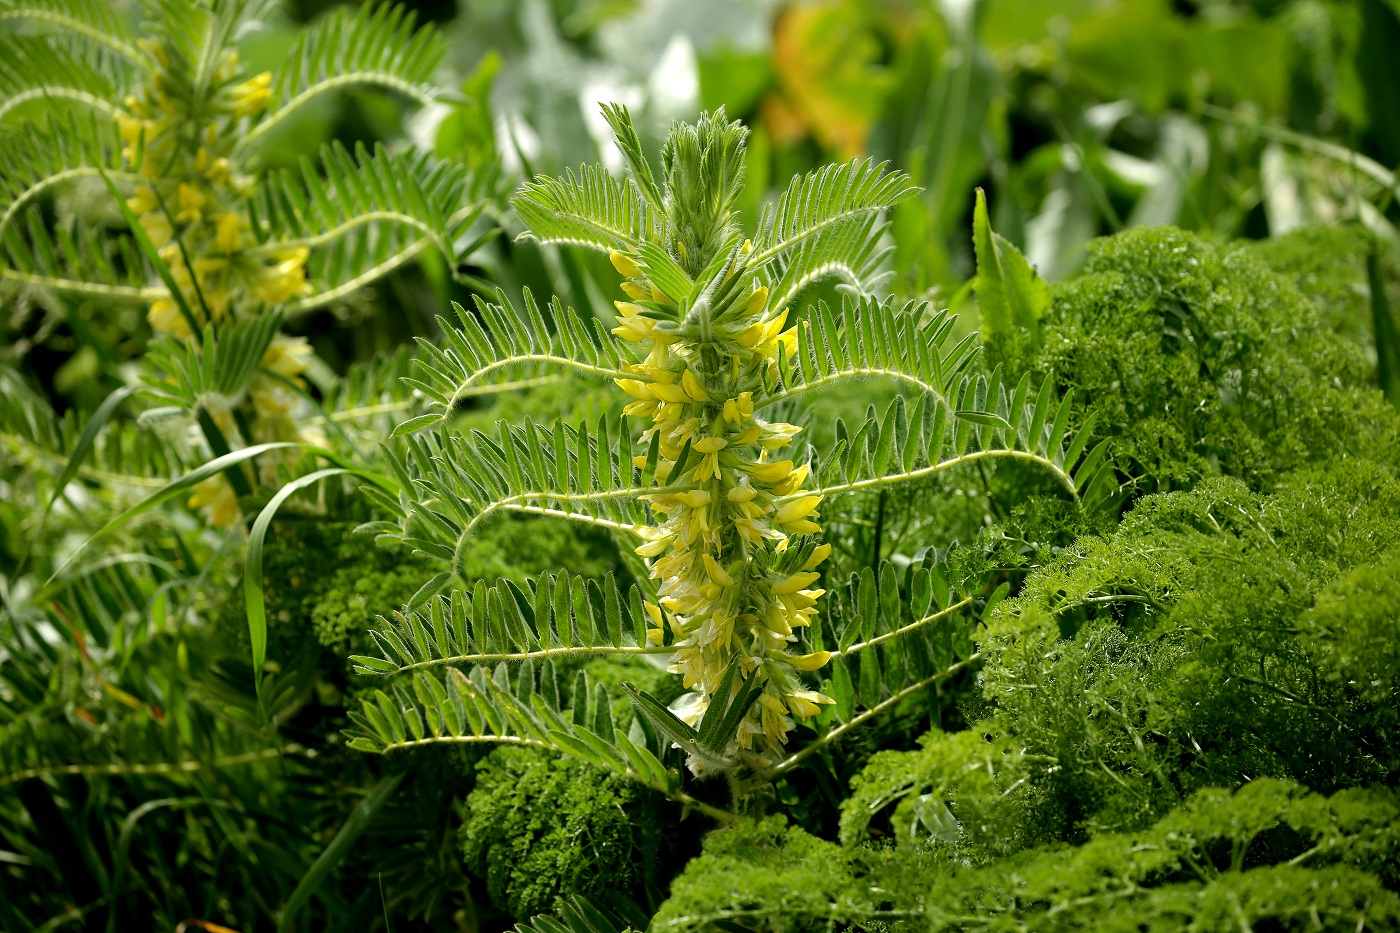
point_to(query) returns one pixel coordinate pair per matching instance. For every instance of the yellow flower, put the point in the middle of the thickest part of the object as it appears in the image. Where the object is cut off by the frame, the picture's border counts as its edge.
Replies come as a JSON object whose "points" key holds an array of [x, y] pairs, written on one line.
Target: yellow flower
{"points": [[284, 280], [716, 573], [691, 384], [623, 264], [807, 703], [756, 301], [143, 201], [796, 509], [164, 315], [811, 662], [157, 228], [636, 389], [216, 495], [228, 232], [794, 582], [771, 472], [819, 554], [288, 356], [252, 95], [191, 201]]}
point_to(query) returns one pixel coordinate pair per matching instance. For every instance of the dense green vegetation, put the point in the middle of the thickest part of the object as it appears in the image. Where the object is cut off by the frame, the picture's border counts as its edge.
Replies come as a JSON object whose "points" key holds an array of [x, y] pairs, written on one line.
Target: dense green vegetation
{"points": [[365, 565]]}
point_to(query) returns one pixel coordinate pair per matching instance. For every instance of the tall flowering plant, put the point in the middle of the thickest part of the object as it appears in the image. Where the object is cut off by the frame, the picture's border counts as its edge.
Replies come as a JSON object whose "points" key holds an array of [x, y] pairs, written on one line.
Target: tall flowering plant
{"points": [[210, 242], [709, 488]]}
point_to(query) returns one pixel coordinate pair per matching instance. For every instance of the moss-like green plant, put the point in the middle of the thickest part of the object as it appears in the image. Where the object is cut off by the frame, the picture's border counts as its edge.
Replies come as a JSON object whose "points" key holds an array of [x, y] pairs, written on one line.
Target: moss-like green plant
{"points": [[538, 826]]}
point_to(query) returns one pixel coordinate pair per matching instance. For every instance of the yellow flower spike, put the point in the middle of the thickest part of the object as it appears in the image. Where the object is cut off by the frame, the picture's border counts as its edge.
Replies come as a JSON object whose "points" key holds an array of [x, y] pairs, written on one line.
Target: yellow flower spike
{"points": [[624, 264], [710, 445], [731, 411], [660, 297], [747, 247], [811, 662], [637, 389], [716, 573], [771, 702], [692, 386], [797, 509], [794, 583], [228, 232], [819, 554], [635, 291]]}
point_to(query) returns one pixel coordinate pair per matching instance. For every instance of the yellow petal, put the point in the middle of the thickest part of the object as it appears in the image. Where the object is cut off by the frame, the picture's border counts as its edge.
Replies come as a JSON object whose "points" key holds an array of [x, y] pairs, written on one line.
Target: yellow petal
{"points": [[624, 264], [811, 662]]}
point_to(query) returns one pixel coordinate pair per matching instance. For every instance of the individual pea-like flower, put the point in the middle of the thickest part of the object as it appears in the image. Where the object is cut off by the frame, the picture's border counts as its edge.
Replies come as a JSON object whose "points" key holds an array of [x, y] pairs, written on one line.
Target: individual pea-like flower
{"points": [[216, 497]]}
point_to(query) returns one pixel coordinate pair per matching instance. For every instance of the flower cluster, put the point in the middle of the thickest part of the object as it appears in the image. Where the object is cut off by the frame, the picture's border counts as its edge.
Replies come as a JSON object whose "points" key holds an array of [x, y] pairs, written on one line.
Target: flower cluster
{"points": [[179, 136], [729, 502]]}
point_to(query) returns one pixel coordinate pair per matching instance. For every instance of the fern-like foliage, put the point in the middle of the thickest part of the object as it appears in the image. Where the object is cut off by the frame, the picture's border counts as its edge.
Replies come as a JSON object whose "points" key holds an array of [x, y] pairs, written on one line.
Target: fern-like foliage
{"points": [[361, 216], [526, 706], [214, 372], [58, 73], [826, 223], [375, 45], [979, 420], [591, 209], [35, 158], [98, 22], [500, 344], [560, 616], [458, 482]]}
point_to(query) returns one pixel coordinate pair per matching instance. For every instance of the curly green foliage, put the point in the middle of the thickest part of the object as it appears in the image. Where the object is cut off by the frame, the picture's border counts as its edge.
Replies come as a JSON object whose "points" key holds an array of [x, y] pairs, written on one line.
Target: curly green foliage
{"points": [[539, 826], [1169, 655], [1198, 360], [768, 875], [1328, 265], [1351, 635], [1268, 856]]}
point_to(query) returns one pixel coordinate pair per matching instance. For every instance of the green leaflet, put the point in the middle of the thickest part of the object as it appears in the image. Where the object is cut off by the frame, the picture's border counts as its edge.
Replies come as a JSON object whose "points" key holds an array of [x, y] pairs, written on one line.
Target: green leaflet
{"points": [[1010, 293]]}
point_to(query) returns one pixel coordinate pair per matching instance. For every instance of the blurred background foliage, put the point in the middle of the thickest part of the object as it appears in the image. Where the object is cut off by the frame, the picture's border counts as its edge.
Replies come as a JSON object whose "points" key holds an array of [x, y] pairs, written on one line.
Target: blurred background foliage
{"points": [[143, 778]]}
